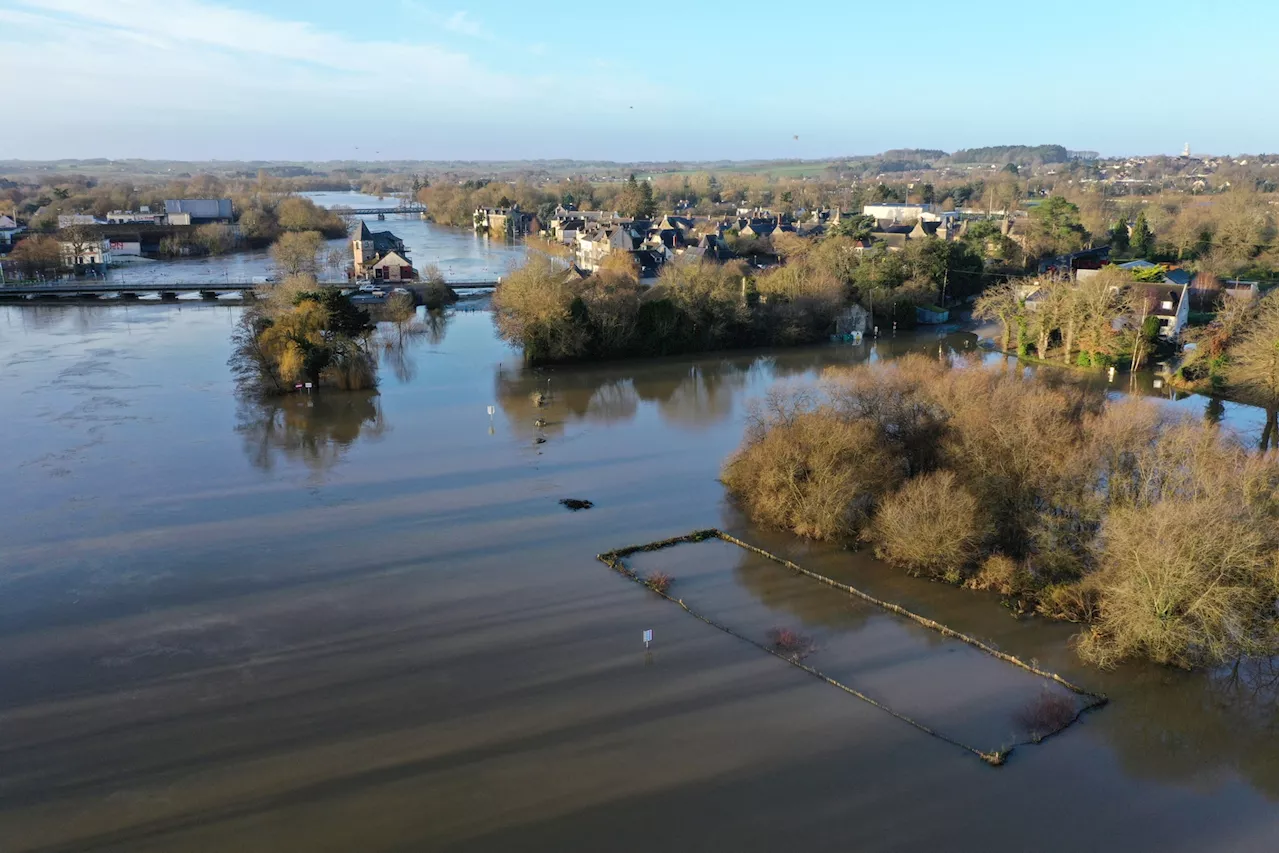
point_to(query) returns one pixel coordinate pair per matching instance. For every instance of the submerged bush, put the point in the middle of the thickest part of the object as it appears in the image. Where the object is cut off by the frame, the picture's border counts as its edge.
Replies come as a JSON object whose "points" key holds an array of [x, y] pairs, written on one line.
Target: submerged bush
{"points": [[436, 293], [817, 475], [929, 527], [791, 643], [1183, 582]]}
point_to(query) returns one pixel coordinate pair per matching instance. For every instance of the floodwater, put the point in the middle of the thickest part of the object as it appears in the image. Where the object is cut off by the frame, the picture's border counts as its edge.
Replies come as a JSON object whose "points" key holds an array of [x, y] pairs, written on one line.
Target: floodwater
{"points": [[363, 622], [460, 254]]}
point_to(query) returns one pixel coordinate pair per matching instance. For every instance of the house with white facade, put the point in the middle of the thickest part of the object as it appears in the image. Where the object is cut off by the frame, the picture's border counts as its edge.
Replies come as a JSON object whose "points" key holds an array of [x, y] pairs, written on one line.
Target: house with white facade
{"points": [[89, 256], [9, 230]]}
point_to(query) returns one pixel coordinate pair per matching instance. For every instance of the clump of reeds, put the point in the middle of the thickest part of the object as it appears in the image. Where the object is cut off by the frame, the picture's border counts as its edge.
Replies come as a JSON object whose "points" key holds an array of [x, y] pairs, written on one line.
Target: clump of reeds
{"points": [[1047, 714]]}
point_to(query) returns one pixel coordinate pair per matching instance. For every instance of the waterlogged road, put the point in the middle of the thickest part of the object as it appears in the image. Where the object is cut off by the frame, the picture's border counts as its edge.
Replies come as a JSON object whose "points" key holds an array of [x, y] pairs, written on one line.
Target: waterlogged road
{"points": [[365, 623]]}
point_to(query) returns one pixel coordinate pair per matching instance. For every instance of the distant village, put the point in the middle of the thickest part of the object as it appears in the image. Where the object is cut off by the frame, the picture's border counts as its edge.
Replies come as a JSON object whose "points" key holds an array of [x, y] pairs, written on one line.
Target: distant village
{"points": [[89, 243]]}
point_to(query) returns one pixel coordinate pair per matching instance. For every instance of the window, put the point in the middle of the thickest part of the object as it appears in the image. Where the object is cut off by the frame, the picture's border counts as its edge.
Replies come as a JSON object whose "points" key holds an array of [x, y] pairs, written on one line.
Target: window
{"points": [[1166, 305]]}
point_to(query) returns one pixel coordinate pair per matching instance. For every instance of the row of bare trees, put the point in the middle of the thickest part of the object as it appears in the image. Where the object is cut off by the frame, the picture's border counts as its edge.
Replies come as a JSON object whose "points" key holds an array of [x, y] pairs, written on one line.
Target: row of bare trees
{"points": [[1079, 316]]}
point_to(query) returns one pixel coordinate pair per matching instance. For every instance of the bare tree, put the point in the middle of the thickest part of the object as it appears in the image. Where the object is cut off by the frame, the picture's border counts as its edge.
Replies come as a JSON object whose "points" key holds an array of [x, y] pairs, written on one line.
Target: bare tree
{"points": [[1140, 304], [1255, 364], [1099, 299], [295, 253], [1002, 303]]}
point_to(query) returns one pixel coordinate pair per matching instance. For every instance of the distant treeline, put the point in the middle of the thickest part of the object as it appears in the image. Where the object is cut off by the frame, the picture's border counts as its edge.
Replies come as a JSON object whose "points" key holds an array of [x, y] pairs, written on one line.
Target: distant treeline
{"points": [[1012, 154]]}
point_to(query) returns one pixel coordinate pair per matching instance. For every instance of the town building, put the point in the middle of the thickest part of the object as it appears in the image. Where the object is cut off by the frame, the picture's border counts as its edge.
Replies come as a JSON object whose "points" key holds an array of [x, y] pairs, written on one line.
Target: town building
{"points": [[9, 230], [906, 214], [90, 256], [391, 267], [71, 220], [1168, 300], [508, 221], [144, 216], [197, 211], [379, 255], [124, 245], [1240, 289]]}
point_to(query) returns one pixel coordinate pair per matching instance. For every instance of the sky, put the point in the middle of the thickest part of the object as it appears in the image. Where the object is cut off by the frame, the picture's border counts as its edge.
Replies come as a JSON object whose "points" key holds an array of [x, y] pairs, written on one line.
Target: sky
{"points": [[420, 80]]}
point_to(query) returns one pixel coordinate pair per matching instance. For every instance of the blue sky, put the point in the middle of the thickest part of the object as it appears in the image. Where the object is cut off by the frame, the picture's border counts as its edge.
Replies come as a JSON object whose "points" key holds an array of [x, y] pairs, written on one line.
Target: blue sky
{"points": [[413, 79]]}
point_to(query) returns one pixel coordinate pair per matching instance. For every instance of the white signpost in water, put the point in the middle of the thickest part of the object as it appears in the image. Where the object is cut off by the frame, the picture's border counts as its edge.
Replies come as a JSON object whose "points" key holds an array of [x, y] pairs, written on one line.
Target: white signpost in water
{"points": [[648, 637]]}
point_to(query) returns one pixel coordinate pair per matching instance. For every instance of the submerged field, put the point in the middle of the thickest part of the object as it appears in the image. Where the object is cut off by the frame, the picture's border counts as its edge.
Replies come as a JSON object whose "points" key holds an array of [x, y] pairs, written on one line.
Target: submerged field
{"points": [[365, 622]]}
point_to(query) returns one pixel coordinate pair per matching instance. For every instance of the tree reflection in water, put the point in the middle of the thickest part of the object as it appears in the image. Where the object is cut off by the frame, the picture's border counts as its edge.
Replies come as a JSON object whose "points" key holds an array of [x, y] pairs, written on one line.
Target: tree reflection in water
{"points": [[316, 429], [397, 340], [1195, 727], [688, 392]]}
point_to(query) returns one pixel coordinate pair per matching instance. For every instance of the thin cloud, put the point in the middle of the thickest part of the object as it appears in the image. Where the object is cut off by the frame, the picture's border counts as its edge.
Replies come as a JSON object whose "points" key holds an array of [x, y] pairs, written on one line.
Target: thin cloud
{"points": [[460, 22], [238, 79]]}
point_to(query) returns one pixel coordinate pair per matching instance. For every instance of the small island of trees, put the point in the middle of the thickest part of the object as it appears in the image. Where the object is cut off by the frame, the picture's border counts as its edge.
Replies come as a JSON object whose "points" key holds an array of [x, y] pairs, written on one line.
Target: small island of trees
{"points": [[1157, 534]]}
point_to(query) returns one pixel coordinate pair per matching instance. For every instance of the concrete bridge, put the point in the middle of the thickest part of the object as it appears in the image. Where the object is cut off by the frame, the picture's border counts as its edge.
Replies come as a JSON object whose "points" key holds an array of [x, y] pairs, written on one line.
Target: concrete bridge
{"points": [[170, 290]]}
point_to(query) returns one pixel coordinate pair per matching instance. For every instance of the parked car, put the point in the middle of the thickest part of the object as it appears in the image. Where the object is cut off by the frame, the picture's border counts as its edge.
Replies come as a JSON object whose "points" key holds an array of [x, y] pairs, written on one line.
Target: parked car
{"points": [[368, 288]]}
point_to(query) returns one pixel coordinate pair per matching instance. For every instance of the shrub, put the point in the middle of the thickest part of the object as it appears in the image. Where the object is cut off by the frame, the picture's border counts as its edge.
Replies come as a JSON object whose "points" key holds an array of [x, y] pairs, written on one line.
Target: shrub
{"points": [[1184, 582], [658, 582], [791, 643], [1003, 575], [929, 527], [436, 293], [817, 475], [1070, 602]]}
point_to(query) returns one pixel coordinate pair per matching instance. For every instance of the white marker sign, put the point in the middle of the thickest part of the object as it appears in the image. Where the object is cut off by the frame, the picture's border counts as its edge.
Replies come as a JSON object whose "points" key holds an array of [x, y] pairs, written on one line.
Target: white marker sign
{"points": [[491, 411], [648, 637]]}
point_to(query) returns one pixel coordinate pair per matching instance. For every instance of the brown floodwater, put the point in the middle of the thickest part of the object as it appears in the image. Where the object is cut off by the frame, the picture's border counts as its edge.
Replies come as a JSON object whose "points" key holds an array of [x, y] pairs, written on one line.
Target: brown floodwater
{"points": [[364, 622]]}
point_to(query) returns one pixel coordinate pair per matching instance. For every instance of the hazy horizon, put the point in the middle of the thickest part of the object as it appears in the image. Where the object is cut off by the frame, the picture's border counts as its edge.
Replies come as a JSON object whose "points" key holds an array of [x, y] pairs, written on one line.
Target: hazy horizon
{"points": [[235, 80]]}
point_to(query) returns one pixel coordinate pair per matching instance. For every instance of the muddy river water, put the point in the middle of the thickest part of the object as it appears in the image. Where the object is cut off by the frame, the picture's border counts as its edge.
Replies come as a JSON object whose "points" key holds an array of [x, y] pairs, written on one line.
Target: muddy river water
{"points": [[364, 622]]}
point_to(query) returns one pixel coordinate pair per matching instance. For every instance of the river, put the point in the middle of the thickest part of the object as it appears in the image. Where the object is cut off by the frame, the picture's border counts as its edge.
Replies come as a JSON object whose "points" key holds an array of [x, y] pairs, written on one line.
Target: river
{"points": [[364, 622], [460, 254]]}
